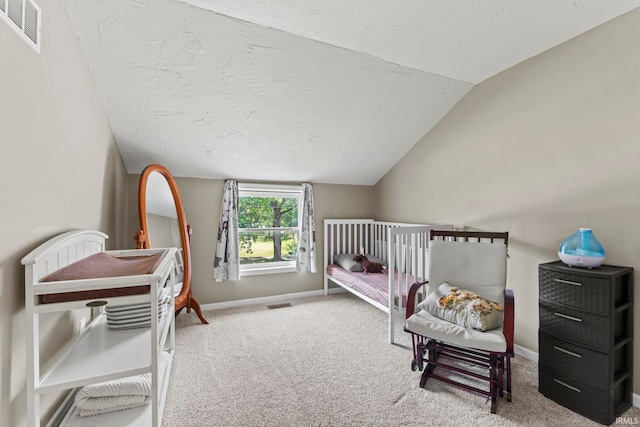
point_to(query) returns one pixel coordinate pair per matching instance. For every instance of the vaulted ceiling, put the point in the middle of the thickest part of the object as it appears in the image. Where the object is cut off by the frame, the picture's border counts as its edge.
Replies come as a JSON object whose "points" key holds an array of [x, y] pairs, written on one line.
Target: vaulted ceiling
{"points": [[326, 91]]}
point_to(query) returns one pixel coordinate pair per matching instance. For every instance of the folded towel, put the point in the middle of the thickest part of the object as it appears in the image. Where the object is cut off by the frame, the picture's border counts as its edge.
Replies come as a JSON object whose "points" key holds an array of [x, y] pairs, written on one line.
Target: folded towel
{"points": [[118, 394], [136, 315]]}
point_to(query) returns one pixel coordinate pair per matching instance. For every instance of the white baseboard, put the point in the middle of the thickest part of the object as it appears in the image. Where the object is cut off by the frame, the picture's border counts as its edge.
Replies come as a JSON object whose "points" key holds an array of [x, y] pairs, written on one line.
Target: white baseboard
{"points": [[518, 350], [525, 352], [266, 300]]}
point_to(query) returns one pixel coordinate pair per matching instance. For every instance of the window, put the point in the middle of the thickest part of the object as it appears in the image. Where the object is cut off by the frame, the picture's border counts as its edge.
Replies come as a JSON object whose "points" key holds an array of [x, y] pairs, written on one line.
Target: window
{"points": [[268, 227]]}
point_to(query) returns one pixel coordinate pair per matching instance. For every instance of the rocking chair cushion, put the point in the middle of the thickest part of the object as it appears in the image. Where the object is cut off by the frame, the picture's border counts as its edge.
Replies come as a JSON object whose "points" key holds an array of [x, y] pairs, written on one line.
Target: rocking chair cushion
{"points": [[477, 266], [427, 325], [464, 308]]}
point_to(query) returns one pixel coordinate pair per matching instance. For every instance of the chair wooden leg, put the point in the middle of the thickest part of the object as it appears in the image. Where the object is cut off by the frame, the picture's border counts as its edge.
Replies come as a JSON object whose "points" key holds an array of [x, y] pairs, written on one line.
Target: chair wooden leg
{"points": [[500, 376], [494, 382], [416, 363], [422, 350], [428, 370], [508, 369], [424, 377], [419, 350], [432, 357]]}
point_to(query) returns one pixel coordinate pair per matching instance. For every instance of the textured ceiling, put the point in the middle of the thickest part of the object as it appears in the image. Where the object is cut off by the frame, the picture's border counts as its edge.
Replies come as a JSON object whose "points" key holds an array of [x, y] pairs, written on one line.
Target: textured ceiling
{"points": [[301, 90]]}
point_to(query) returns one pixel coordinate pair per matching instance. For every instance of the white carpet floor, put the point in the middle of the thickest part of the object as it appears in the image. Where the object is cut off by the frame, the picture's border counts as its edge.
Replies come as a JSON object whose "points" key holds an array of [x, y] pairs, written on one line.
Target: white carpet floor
{"points": [[326, 361]]}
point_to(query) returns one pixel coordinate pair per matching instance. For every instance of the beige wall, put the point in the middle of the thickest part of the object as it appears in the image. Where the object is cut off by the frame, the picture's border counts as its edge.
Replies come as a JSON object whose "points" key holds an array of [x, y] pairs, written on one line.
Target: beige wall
{"points": [[59, 170], [540, 150], [202, 199]]}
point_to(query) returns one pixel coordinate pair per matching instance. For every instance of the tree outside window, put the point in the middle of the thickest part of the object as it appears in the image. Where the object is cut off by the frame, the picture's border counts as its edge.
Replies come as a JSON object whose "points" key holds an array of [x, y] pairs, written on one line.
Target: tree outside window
{"points": [[268, 222]]}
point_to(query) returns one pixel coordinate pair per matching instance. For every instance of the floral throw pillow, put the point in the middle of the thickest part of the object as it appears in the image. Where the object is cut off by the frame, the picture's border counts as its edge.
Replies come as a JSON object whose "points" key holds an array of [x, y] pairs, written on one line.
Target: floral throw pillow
{"points": [[463, 307]]}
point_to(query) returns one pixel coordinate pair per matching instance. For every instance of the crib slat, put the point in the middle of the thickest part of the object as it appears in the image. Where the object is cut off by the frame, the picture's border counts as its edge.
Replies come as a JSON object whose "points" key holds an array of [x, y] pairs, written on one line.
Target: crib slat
{"points": [[332, 236]]}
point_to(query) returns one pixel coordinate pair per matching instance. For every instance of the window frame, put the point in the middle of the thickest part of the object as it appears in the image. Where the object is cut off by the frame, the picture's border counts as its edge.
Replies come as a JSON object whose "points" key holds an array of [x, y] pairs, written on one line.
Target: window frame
{"points": [[290, 191]]}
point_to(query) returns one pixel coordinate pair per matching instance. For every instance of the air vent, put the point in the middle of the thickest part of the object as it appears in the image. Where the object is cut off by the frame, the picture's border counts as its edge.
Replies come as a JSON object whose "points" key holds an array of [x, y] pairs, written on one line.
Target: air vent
{"points": [[24, 16], [281, 305]]}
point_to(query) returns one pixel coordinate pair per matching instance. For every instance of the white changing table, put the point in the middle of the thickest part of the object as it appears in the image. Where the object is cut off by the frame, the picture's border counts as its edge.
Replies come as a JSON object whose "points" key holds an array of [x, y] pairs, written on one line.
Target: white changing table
{"points": [[96, 354]]}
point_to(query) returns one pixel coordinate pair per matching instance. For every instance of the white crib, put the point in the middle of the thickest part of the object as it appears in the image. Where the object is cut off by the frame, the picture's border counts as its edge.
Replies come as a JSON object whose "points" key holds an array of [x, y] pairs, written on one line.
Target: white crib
{"points": [[402, 246]]}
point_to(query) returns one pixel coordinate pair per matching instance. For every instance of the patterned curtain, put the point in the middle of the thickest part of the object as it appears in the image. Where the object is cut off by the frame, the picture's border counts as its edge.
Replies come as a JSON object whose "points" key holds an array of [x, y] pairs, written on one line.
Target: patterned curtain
{"points": [[227, 262], [306, 258]]}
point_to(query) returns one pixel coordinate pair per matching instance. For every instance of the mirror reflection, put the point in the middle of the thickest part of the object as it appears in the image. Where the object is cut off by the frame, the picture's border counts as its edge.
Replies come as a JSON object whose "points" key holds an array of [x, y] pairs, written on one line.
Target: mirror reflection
{"points": [[163, 227], [162, 216]]}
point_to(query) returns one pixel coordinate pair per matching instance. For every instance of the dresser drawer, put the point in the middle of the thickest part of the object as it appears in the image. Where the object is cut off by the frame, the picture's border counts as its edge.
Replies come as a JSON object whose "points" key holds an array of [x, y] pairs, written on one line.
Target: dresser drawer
{"points": [[591, 366], [601, 289], [589, 293], [600, 405], [576, 326], [600, 333], [574, 360]]}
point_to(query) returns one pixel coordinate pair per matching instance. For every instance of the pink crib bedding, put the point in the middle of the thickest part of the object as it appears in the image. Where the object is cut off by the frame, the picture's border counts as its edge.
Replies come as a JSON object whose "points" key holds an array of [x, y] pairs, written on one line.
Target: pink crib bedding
{"points": [[374, 286]]}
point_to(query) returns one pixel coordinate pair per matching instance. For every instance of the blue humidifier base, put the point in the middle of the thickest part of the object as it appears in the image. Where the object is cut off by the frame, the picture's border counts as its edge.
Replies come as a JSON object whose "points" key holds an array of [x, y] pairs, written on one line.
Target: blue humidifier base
{"points": [[581, 261], [581, 249]]}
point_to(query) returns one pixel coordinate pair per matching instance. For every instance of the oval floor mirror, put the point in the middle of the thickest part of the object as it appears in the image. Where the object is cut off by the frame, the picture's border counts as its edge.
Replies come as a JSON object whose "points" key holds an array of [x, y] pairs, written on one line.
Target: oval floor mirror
{"points": [[163, 224]]}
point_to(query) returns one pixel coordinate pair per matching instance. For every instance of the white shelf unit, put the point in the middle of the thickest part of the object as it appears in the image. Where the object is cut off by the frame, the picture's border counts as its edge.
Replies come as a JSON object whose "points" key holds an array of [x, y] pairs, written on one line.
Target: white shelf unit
{"points": [[97, 354]]}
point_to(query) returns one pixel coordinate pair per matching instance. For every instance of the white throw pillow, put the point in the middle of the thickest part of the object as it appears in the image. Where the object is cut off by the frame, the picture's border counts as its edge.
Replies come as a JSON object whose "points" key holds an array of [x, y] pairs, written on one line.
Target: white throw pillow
{"points": [[464, 308]]}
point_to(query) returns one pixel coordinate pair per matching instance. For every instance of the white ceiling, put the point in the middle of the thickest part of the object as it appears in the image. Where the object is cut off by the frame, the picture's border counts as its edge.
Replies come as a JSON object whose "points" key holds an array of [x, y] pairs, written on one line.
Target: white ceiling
{"points": [[302, 90]]}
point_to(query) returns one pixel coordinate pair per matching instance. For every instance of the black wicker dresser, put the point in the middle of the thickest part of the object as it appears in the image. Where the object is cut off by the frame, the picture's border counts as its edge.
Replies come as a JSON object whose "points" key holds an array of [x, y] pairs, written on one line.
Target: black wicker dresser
{"points": [[586, 338]]}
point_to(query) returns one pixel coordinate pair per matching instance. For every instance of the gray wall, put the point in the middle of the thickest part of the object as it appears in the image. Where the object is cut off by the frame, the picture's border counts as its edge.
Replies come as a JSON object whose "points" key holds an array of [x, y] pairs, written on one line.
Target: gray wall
{"points": [[59, 170], [540, 150], [202, 199]]}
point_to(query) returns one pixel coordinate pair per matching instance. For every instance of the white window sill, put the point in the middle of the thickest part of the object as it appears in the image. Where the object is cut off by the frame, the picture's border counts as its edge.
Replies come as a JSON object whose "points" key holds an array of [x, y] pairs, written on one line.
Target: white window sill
{"points": [[267, 270]]}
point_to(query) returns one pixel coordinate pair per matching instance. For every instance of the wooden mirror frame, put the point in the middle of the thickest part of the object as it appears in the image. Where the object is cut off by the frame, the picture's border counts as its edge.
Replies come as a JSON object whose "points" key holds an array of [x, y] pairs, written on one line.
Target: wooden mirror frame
{"points": [[185, 298]]}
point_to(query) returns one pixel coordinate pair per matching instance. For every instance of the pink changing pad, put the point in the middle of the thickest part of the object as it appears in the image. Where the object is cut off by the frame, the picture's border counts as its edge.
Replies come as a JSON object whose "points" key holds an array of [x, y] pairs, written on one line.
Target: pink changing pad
{"points": [[102, 265]]}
